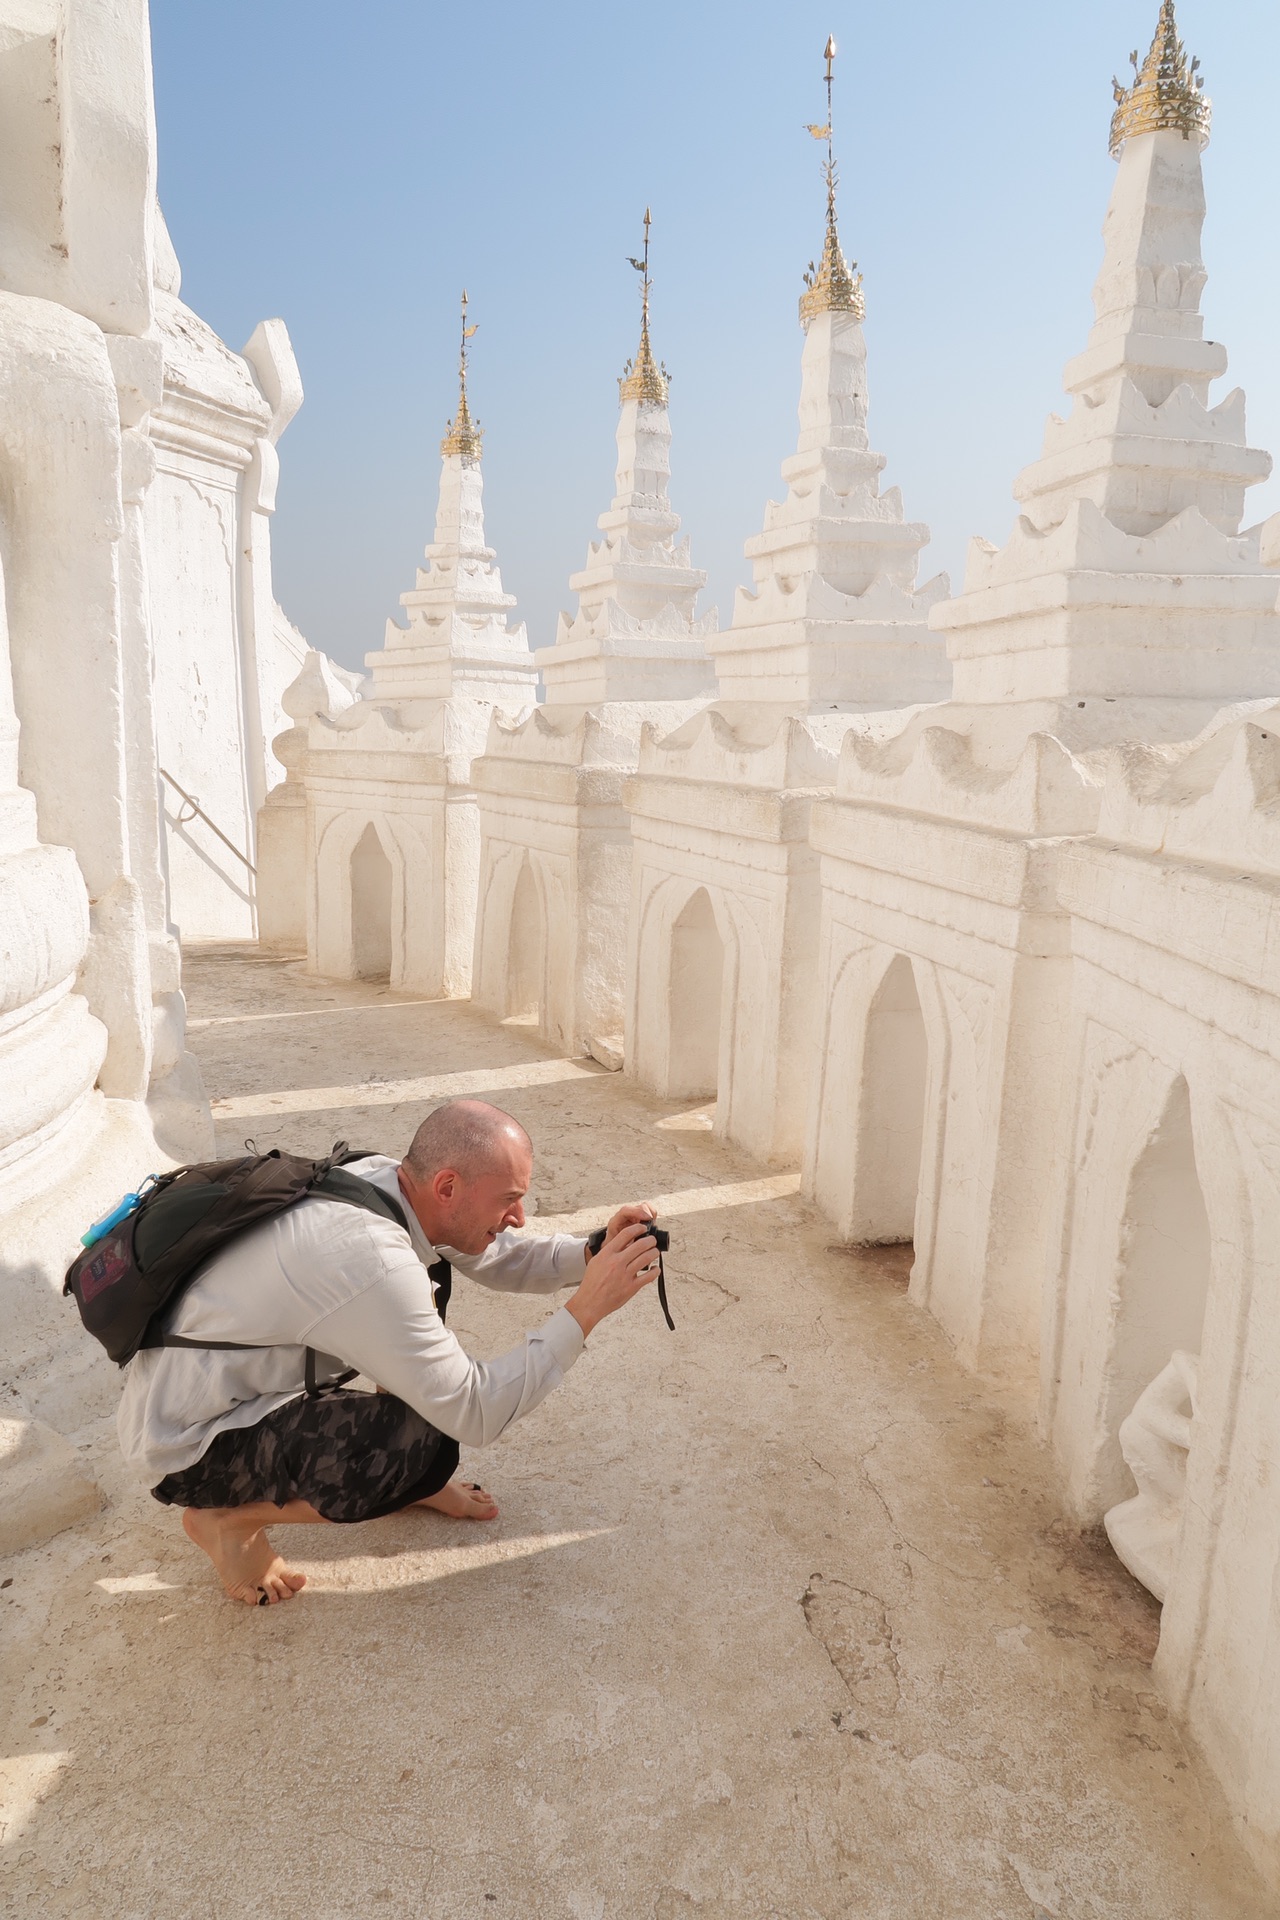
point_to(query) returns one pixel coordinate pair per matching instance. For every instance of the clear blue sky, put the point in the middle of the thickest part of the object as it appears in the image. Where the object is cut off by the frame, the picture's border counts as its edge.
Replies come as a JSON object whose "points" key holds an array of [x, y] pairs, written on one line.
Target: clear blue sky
{"points": [[351, 168]]}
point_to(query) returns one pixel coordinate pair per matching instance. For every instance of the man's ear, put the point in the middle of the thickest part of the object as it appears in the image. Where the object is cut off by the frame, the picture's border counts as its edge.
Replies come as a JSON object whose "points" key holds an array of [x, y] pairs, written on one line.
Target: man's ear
{"points": [[444, 1185]]}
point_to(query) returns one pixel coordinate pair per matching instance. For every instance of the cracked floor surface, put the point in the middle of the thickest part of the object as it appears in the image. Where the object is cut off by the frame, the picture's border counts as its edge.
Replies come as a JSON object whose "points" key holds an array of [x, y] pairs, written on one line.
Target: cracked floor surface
{"points": [[780, 1618]]}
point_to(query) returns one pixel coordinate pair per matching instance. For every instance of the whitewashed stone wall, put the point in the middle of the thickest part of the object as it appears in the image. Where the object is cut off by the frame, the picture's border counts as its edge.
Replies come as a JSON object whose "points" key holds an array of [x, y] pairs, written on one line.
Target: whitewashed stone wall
{"points": [[96, 1086], [1049, 1037], [1164, 1261], [222, 653], [138, 632]]}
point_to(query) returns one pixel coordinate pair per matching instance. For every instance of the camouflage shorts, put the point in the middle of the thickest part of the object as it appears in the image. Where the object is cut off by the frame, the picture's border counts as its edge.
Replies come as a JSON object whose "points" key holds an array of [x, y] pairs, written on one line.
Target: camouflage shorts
{"points": [[353, 1456]]}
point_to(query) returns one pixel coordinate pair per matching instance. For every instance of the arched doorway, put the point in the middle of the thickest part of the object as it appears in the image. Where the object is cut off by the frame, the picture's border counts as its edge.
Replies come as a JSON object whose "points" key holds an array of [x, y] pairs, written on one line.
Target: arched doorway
{"points": [[891, 1111], [1163, 1277], [696, 988], [370, 908], [525, 949]]}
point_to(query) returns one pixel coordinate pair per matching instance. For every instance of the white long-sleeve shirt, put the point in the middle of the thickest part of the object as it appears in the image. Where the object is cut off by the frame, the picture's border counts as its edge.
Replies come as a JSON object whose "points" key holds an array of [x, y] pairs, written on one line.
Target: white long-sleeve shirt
{"points": [[353, 1287]]}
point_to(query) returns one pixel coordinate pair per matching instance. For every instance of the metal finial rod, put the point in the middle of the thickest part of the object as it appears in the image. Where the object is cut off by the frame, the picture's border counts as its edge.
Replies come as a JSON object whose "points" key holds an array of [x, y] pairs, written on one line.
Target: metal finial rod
{"points": [[467, 332], [827, 132], [642, 268], [829, 54], [644, 297], [831, 286], [462, 434], [643, 379]]}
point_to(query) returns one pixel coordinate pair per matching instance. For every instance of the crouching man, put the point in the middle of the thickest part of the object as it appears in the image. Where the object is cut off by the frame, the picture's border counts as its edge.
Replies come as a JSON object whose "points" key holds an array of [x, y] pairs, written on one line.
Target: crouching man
{"points": [[233, 1436]]}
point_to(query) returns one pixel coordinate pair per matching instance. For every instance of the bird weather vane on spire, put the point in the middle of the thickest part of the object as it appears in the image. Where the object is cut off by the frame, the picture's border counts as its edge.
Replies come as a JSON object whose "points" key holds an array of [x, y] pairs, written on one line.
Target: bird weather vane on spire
{"points": [[463, 436], [643, 378], [832, 286]]}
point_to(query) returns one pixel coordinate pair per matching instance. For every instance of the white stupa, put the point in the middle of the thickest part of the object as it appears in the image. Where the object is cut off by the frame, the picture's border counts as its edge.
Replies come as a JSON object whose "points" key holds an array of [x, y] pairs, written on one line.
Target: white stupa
{"points": [[556, 857], [635, 635], [393, 836], [724, 930], [459, 641], [1128, 603], [835, 617]]}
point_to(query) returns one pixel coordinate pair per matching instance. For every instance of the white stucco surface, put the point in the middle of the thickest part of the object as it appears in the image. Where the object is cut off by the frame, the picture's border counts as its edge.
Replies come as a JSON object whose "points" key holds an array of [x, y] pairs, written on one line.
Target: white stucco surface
{"points": [[957, 914], [782, 1613]]}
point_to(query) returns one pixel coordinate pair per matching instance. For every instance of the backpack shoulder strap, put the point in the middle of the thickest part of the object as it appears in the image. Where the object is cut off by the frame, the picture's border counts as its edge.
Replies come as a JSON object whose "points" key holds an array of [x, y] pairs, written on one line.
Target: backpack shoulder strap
{"points": [[339, 1184], [333, 1183]]}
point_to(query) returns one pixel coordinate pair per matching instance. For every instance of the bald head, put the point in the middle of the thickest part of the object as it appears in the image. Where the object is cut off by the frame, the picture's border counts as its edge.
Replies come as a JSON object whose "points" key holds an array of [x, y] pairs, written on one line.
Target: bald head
{"points": [[466, 1174], [468, 1137]]}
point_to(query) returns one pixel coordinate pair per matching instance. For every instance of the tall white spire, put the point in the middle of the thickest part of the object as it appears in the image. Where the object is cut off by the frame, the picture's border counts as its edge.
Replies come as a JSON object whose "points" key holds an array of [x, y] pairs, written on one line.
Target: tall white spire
{"points": [[635, 635], [458, 639], [1127, 576], [835, 617]]}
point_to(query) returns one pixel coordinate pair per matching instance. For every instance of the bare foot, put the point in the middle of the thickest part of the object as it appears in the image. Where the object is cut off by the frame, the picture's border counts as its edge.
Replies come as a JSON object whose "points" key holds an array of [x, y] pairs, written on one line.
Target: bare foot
{"points": [[248, 1565], [462, 1502]]}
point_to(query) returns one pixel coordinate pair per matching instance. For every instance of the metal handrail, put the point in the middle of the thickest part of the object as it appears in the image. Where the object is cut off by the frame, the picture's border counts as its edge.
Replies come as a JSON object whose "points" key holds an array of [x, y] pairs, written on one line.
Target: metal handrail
{"points": [[197, 811]]}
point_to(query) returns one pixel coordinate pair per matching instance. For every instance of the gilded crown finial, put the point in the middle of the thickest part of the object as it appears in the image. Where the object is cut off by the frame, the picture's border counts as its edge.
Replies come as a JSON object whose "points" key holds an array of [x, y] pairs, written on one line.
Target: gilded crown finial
{"points": [[1167, 93], [832, 286], [463, 435], [643, 378]]}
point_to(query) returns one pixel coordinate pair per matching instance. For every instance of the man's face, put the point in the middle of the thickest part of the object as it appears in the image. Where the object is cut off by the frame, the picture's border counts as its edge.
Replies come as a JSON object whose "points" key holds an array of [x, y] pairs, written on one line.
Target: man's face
{"points": [[469, 1213]]}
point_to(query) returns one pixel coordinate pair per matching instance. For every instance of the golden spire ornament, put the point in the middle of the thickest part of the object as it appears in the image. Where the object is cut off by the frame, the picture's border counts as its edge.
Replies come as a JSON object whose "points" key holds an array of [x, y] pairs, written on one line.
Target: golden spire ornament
{"points": [[832, 286], [1167, 94], [643, 378], [463, 434]]}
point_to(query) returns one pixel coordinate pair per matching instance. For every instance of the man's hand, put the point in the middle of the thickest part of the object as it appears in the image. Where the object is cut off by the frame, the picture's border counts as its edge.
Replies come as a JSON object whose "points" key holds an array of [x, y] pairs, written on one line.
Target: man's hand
{"points": [[618, 1271], [630, 1216]]}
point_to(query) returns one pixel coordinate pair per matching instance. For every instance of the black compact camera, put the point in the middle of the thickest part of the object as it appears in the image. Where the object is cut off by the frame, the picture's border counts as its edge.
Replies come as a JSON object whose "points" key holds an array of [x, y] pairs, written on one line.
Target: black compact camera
{"points": [[662, 1241]]}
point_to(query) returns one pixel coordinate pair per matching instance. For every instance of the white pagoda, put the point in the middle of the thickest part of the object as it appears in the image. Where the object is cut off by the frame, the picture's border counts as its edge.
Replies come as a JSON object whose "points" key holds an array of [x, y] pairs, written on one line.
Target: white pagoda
{"points": [[392, 825], [722, 945], [556, 848]]}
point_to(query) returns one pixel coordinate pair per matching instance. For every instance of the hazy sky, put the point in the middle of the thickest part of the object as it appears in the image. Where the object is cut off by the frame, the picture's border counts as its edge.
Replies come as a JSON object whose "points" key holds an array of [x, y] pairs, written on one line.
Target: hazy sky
{"points": [[351, 168]]}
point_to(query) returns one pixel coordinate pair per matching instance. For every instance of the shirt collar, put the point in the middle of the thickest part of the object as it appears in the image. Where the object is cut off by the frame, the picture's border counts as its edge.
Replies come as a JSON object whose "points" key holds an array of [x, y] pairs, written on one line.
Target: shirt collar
{"points": [[381, 1172]]}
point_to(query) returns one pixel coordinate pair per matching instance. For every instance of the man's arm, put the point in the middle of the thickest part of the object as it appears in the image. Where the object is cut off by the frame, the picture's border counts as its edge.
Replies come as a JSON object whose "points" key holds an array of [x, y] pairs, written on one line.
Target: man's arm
{"points": [[524, 1262], [392, 1333], [538, 1263]]}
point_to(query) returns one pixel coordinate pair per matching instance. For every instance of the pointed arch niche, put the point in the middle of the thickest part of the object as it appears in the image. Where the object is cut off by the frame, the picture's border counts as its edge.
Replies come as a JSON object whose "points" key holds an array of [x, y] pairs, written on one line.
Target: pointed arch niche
{"points": [[526, 945], [1162, 1283], [891, 1110], [370, 908], [696, 993]]}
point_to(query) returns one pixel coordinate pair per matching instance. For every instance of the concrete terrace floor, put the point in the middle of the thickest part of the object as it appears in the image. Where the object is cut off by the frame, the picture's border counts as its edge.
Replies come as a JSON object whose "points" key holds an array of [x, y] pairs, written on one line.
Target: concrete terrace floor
{"points": [[780, 1619]]}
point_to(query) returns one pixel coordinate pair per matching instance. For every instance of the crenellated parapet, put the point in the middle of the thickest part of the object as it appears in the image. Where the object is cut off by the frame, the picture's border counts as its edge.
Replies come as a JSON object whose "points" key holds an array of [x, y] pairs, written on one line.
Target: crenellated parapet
{"points": [[1214, 801], [934, 771]]}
